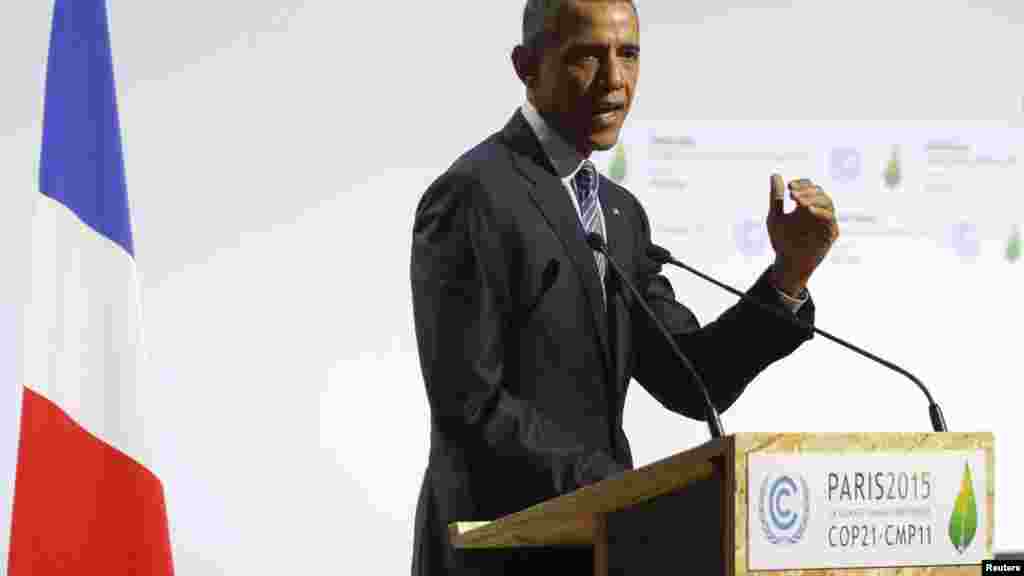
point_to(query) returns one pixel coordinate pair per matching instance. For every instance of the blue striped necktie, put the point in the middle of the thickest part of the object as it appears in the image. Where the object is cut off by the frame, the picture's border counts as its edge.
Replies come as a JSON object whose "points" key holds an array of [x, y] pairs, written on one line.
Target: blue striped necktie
{"points": [[586, 181]]}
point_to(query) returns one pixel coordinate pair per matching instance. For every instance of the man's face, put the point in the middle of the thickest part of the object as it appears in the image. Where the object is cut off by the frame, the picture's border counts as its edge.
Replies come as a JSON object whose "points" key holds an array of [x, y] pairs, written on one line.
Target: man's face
{"points": [[587, 73]]}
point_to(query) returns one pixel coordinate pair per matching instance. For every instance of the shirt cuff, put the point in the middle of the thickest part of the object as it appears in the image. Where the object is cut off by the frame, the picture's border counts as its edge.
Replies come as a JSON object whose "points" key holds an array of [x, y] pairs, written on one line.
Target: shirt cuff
{"points": [[793, 304]]}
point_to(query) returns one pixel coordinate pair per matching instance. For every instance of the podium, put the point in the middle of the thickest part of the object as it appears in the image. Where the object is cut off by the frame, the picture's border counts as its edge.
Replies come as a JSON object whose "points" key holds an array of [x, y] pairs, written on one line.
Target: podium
{"points": [[789, 504]]}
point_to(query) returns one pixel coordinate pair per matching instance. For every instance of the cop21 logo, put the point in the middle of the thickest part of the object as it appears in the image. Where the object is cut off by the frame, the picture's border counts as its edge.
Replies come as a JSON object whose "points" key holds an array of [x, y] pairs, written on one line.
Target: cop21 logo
{"points": [[784, 508]]}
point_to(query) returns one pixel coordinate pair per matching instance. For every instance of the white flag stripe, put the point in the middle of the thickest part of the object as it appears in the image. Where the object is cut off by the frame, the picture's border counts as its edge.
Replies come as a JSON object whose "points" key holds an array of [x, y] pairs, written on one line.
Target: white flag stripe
{"points": [[83, 328]]}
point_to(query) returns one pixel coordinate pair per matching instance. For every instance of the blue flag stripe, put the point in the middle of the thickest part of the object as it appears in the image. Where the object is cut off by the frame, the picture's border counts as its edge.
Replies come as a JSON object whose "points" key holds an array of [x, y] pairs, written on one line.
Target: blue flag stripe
{"points": [[82, 165]]}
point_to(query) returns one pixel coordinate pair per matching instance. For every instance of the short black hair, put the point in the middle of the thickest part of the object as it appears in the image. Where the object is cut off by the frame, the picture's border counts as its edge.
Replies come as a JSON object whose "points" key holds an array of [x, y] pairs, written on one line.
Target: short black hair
{"points": [[538, 19]]}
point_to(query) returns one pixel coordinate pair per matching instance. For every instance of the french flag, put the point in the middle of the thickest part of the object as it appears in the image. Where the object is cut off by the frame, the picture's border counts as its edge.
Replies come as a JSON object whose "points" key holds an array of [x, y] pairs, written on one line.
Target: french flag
{"points": [[86, 499]]}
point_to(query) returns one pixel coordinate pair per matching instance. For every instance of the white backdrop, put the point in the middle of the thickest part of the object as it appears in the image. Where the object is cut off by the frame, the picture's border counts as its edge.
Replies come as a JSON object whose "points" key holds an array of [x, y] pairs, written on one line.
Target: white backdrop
{"points": [[275, 153]]}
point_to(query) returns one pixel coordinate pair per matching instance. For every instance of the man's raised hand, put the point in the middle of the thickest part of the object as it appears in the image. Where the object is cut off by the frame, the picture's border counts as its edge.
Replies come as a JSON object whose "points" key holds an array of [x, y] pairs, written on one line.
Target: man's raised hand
{"points": [[803, 237]]}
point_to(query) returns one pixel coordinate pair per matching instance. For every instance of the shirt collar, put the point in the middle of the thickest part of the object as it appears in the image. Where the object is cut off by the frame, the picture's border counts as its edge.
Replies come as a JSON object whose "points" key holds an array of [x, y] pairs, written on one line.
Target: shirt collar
{"points": [[563, 156]]}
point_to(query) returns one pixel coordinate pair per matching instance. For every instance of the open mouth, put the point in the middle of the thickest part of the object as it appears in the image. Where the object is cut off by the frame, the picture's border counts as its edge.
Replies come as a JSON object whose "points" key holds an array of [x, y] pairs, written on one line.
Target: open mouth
{"points": [[607, 112]]}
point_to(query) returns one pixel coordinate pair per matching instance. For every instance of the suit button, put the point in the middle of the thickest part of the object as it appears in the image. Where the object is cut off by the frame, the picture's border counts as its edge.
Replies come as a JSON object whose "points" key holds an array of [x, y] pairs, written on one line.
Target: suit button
{"points": [[472, 411]]}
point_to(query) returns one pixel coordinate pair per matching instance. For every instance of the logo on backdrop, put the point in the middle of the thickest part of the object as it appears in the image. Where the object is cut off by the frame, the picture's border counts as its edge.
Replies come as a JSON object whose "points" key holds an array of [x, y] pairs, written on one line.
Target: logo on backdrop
{"points": [[965, 241], [617, 169], [845, 164], [893, 174], [1013, 247], [963, 521], [784, 508]]}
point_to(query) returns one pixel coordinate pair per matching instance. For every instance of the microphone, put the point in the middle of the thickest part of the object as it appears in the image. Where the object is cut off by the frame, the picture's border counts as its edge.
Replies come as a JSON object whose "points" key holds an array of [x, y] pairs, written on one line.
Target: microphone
{"points": [[596, 242], [663, 256], [547, 280]]}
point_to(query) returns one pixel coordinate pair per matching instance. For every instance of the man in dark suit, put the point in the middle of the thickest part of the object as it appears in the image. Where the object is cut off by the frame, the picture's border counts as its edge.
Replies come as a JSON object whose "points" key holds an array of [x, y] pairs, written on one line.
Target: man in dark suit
{"points": [[527, 340]]}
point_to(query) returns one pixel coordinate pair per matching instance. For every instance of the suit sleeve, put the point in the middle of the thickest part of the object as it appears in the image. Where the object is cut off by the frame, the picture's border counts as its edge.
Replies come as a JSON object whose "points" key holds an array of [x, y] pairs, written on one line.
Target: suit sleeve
{"points": [[727, 353], [460, 299]]}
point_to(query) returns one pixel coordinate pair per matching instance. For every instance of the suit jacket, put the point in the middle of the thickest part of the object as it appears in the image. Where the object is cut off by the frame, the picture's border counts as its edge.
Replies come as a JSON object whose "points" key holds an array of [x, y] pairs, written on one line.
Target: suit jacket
{"points": [[526, 386]]}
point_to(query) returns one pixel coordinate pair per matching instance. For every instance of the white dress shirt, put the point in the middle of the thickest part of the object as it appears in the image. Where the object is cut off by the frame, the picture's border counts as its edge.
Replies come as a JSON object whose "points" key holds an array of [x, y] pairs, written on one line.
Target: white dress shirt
{"points": [[567, 161], [564, 157]]}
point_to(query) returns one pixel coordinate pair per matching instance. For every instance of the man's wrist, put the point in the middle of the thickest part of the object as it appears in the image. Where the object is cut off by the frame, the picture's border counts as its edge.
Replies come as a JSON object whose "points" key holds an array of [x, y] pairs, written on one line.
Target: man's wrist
{"points": [[794, 287]]}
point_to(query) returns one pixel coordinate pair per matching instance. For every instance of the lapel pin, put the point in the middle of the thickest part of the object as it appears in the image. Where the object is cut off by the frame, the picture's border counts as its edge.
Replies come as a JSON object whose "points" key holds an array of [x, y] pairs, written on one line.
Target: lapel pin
{"points": [[615, 211]]}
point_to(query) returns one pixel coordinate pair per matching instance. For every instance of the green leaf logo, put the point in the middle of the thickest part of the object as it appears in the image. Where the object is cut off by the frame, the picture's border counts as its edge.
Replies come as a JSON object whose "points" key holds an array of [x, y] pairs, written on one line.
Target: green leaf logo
{"points": [[963, 523], [892, 173], [617, 166], [1013, 249]]}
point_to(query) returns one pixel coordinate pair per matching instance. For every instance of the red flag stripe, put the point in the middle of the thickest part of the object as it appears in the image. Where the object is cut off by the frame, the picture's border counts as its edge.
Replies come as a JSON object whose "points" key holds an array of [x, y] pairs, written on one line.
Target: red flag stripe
{"points": [[82, 506]]}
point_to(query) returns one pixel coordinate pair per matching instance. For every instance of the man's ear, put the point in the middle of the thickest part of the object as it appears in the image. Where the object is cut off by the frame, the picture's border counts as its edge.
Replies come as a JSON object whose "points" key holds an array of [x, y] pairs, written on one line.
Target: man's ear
{"points": [[525, 64]]}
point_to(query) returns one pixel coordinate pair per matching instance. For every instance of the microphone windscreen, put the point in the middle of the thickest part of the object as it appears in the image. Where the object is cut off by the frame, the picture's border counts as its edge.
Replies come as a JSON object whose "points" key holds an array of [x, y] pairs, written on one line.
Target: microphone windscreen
{"points": [[658, 254]]}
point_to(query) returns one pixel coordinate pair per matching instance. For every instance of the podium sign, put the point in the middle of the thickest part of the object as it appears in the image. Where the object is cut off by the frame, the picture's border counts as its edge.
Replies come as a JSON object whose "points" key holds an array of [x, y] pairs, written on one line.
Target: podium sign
{"points": [[866, 510], [759, 503]]}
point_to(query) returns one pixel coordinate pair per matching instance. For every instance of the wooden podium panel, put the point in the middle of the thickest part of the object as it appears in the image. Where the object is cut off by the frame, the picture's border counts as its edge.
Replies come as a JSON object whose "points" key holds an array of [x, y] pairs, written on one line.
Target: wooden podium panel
{"points": [[637, 521], [569, 520]]}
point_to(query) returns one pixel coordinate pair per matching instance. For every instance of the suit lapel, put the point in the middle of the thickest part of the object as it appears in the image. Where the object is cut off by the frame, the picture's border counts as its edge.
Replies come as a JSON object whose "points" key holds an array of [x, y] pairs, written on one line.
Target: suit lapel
{"points": [[553, 202], [620, 244]]}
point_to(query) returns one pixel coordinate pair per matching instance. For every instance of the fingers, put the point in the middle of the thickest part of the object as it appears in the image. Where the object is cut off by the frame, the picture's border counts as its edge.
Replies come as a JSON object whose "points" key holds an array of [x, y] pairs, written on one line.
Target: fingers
{"points": [[803, 188], [818, 199], [814, 227], [818, 222], [814, 208], [814, 201], [778, 191], [820, 212], [800, 183], [808, 195]]}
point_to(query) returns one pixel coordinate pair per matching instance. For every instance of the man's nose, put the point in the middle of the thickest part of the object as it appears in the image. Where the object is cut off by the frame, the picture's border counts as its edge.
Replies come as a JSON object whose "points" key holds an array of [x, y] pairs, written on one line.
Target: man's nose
{"points": [[613, 75]]}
